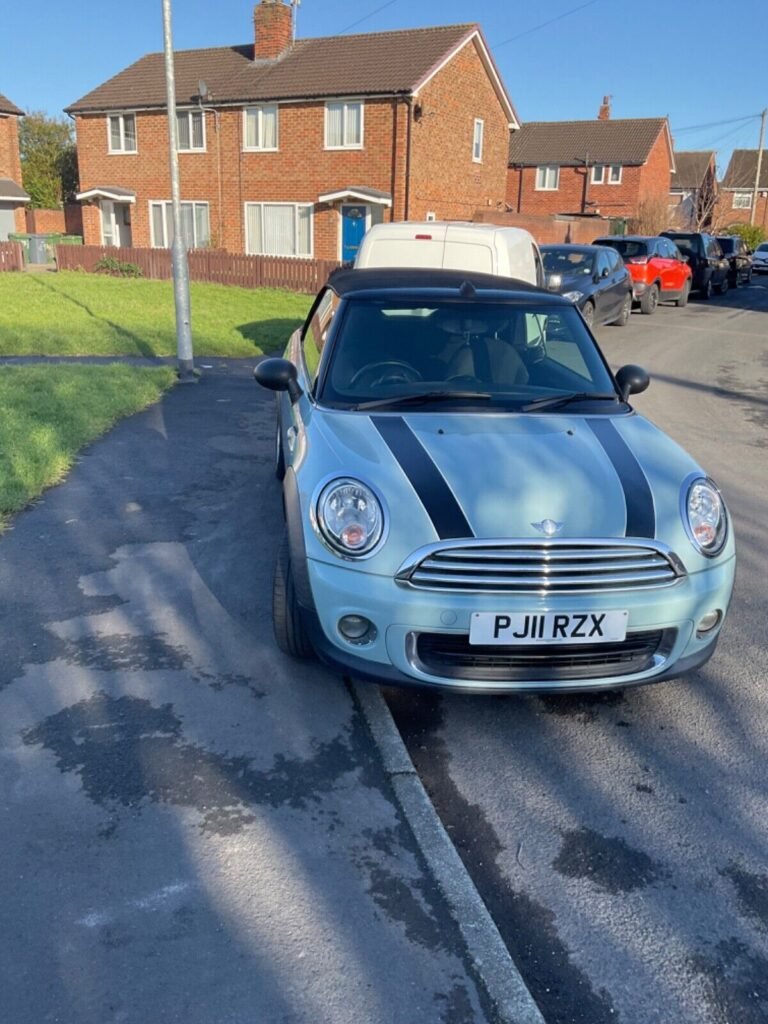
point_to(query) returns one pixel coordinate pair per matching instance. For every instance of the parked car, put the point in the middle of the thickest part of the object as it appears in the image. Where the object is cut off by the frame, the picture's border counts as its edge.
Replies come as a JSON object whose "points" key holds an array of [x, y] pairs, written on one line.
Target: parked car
{"points": [[705, 257], [594, 278], [453, 245], [659, 272], [739, 259], [760, 259], [471, 502]]}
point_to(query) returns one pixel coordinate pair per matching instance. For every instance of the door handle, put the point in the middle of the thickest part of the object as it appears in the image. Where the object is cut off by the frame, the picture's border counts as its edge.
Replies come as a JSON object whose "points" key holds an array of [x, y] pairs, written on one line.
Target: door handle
{"points": [[291, 434]]}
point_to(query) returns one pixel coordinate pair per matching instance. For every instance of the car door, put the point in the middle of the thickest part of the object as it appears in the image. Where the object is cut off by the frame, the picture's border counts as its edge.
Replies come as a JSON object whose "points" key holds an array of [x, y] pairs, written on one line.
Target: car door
{"points": [[674, 274], [717, 262], [602, 289], [618, 283]]}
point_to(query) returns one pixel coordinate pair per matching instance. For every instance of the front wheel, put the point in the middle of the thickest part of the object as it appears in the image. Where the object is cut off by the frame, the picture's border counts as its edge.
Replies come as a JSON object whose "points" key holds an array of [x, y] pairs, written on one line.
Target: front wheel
{"points": [[589, 314], [683, 300], [722, 288], [290, 633], [706, 291], [650, 300], [626, 312]]}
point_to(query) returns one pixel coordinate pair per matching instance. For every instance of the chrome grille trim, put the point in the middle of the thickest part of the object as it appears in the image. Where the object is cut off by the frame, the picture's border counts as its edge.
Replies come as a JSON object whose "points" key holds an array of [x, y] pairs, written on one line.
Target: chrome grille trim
{"points": [[541, 566]]}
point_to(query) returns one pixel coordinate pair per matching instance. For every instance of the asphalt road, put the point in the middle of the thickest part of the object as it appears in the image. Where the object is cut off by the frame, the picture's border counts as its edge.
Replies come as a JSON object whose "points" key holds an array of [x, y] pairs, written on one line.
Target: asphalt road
{"points": [[621, 841], [193, 828]]}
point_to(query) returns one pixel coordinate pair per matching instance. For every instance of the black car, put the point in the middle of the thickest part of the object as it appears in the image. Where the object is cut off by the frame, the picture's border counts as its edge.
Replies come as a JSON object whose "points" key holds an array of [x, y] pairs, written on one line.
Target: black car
{"points": [[593, 277], [710, 268], [736, 252]]}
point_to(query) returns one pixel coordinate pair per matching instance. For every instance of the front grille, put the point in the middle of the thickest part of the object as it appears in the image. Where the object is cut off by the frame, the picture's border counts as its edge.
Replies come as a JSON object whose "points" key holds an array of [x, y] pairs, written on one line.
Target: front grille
{"points": [[544, 567], [450, 655]]}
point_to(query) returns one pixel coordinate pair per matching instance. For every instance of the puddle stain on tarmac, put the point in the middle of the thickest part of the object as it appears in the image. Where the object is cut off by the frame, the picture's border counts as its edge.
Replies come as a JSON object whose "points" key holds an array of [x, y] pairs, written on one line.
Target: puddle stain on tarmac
{"points": [[608, 862]]}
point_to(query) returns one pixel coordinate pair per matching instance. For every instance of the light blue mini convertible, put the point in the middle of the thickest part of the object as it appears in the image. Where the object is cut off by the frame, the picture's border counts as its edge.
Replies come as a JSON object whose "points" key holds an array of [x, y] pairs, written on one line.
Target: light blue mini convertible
{"points": [[471, 501]]}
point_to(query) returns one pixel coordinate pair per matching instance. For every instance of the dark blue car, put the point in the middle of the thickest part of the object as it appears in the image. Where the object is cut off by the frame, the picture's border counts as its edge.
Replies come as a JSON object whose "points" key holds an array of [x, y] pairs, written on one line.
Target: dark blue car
{"points": [[594, 278]]}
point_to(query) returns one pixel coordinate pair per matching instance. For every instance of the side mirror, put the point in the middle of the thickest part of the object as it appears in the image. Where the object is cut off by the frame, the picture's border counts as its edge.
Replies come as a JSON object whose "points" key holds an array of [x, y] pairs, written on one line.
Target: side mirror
{"points": [[279, 375], [605, 272], [554, 282], [632, 380]]}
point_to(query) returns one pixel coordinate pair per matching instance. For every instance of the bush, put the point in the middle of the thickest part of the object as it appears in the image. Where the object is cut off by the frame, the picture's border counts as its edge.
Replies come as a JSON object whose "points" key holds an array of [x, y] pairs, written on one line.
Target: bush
{"points": [[116, 268], [752, 234]]}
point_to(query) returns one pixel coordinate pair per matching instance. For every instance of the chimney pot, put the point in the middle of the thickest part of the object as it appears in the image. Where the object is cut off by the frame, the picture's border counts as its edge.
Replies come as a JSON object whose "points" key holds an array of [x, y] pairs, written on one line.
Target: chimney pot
{"points": [[604, 113], [273, 29]]}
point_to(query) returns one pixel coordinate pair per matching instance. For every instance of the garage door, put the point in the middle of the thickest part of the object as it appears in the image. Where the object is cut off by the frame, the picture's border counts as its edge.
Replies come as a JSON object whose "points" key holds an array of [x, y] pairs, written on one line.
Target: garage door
{"points": [[7, 223]]}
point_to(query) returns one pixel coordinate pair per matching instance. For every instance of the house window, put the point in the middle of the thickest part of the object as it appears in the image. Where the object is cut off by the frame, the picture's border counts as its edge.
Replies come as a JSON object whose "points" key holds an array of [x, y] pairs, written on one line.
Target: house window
{"points": [[344, 125], [278, 229], [742, 200], [477, 141], [260, 128], [602, 173], [191, 130], [547, 178], [122, 133], [195, 225]]}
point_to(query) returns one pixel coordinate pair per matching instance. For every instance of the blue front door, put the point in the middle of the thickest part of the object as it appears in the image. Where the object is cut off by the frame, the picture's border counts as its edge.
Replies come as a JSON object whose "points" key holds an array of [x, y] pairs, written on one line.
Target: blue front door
{"points": [[353, 220]]}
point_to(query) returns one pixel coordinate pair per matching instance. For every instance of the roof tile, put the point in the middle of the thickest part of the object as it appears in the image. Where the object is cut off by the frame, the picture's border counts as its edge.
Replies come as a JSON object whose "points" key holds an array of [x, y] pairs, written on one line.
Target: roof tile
{"points": [[691, 167], [742, 168], [6, 107], [569, 143]]}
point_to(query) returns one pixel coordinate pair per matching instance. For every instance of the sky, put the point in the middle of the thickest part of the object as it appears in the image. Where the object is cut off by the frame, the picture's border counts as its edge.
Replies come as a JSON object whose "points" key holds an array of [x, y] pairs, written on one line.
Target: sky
{"points": [[683, 59]]}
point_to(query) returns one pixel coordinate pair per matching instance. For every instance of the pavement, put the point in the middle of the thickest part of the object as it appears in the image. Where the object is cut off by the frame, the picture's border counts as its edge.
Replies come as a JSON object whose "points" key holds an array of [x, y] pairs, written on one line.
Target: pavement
{"points": [[619, 840], [194, 828]]}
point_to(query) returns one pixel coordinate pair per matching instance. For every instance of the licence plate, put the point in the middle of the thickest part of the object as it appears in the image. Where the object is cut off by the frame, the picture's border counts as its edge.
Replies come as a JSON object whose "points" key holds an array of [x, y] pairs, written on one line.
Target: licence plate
{"points": [[509, 628]]}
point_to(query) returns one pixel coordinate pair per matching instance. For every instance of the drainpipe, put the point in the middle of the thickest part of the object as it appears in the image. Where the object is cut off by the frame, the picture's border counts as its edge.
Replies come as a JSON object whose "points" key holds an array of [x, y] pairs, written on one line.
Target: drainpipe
{"points": [[409, 109]]}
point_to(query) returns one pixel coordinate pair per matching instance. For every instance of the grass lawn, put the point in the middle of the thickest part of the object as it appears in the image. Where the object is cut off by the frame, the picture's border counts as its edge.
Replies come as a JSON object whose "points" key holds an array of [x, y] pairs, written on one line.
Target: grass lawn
{"points": [[79, 314], [49, 412]]}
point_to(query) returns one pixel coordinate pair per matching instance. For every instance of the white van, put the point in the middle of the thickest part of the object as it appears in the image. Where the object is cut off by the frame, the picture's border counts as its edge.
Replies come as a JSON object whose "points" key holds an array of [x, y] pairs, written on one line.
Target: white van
{"points": [[455, 245]]}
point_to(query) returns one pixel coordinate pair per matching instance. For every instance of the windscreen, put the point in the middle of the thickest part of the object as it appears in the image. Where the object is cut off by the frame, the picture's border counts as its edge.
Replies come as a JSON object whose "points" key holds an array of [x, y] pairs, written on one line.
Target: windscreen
{"points": [[568, 262], [393, 348], [688, 244], [628, 247], [728, 245]]}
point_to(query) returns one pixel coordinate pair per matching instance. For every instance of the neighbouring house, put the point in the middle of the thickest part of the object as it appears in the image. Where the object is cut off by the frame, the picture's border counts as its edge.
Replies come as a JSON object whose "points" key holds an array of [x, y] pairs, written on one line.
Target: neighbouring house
{"points": [[693, 194], [12, 195], [295, 146], [737, 190], [605, 166]]}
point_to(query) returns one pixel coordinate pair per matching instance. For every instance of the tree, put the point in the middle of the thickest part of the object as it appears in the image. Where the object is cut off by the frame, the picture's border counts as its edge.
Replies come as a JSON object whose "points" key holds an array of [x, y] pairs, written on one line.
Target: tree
{"points": [[48, 160], [653, 216], [752, 234]]}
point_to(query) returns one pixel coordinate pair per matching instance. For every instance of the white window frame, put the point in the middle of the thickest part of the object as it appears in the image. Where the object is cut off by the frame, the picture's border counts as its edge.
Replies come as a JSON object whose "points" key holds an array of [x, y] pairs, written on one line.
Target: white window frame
{"points": [[546, 168], [594, 179], [259, 109], [296, 256], [122, 151], [745, 203], [187, 113], [168, 220], [606, 174], [611, 169], [345, 103], [478, 138]]}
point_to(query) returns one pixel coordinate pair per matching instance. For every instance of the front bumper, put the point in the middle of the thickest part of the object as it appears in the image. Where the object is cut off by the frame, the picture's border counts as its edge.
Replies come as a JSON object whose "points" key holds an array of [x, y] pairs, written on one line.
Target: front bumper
{"points": [[400, 614]]}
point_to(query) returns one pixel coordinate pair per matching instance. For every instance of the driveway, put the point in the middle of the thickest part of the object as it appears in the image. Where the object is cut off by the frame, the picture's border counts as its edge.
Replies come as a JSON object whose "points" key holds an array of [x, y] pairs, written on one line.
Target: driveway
{"points": [[194, 829]]}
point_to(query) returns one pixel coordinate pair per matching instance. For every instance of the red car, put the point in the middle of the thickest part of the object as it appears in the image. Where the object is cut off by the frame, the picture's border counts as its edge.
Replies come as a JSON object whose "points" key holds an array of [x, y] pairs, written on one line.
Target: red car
{"points": [[660, 273]]}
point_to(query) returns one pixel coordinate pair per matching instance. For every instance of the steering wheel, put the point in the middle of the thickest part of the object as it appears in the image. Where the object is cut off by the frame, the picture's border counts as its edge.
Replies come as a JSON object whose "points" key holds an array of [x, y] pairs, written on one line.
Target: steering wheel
{"points": [[391, 371]]}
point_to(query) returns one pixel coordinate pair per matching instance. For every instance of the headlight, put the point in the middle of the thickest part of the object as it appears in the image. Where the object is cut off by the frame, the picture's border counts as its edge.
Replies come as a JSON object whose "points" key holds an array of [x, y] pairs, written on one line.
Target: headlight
{"points": [[573, 296], [706, 517], [350, 517]]}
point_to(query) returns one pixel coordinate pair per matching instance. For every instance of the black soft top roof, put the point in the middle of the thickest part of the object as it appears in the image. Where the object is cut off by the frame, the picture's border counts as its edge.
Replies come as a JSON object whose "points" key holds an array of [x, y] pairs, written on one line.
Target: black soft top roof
{"points": [[391, 279]]}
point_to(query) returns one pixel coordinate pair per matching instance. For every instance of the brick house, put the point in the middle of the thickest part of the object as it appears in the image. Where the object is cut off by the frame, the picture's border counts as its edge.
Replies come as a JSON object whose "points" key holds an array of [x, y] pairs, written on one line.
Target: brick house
{"points": [[693, 190], [579, 167], [295, 146], [737, 187], [12, 195]]}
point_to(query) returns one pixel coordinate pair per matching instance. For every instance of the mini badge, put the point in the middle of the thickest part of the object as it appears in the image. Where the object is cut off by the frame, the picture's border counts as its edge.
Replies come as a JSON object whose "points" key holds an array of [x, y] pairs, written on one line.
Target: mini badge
{"points": [[548, 527]]}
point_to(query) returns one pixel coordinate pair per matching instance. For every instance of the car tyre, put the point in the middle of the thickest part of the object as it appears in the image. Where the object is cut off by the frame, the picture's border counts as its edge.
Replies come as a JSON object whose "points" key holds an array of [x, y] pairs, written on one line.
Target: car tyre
{"points": [[279, 454], [626, 312], [650, 300], [683, 300], [706, 291], [722, 288], [588, 312], [748, 278], [290, 633]]}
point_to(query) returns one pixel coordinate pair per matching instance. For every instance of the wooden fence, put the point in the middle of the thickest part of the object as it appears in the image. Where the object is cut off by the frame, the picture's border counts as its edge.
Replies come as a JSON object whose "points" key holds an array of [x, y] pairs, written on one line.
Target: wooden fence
{"points": [[11, 256], [212, 265]]}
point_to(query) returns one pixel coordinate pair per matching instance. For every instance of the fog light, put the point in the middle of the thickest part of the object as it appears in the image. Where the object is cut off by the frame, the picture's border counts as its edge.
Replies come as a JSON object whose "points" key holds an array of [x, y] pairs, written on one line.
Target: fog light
{"points": [[708, 622], [357, 629]]}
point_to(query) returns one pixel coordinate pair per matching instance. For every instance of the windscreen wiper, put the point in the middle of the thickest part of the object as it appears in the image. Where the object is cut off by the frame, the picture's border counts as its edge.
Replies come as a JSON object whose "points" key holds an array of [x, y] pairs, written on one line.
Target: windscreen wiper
{"points": [[571, 396], [425, 396]]}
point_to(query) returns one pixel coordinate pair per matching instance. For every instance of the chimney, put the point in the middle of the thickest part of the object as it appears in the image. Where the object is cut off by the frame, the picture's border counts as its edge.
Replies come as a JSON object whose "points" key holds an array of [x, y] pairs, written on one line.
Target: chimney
{"points": [[604, 113], [273, 28]]}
